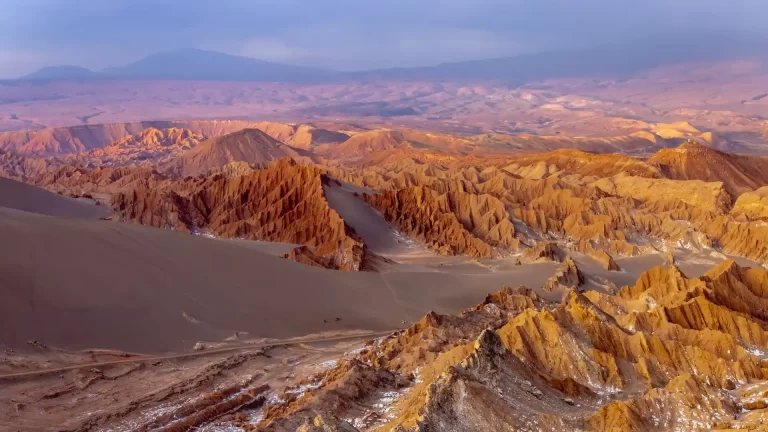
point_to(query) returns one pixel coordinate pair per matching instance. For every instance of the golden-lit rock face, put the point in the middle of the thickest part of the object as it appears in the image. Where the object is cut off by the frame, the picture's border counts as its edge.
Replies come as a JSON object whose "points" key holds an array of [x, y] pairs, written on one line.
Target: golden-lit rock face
{"points": [[602, 257], [669, 353], [752, 205], [378, 140]]}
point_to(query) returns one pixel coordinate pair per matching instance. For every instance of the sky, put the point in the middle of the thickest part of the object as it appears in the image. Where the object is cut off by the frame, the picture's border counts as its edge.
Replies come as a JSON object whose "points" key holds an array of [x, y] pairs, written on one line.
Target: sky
{"points": [[343, 34]]}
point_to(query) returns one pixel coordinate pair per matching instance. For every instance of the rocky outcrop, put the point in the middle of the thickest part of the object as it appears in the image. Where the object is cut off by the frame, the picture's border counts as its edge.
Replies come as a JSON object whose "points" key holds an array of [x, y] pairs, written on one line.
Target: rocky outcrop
{"points": [[410, 359], [83, 138], [637, 142], [568, 276], [693, 161], [364, 143], [416, 212], [667, 193], [544, 251], [483, 206], [585, 163], [376, 141], [64, 140], [73, 179], [752, 205], [683, 404], [305, 255], [603, 258], [283, 202]]}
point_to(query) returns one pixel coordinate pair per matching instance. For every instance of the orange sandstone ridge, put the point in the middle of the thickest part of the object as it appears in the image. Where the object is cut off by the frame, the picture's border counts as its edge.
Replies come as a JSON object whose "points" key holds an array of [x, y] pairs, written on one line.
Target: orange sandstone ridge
{"points": [[283, 202]]}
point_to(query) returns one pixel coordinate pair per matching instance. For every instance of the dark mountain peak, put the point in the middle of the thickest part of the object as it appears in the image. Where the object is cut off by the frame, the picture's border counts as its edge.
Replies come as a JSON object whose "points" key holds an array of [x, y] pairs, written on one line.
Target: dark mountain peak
{"points": [[60, 72], [197, 64]]}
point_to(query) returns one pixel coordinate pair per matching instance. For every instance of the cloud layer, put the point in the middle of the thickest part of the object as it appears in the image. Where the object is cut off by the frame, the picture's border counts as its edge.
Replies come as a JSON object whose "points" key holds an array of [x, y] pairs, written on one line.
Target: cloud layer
{"points": [[342, 34]]}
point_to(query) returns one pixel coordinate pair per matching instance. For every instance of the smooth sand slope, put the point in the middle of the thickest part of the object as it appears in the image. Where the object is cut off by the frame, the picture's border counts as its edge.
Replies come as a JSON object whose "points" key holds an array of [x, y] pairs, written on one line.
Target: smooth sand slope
{"points": [[97, 284], [21, 196], [377, 233]]}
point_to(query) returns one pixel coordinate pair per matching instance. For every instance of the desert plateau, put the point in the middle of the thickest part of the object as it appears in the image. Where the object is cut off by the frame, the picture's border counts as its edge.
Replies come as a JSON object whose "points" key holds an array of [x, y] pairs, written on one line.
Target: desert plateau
{"points": [[363, 236]]}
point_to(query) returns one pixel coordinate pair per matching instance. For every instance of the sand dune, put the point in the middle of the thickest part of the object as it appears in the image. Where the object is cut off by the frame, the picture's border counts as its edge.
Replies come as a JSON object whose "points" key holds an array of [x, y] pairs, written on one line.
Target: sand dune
{"points": [[378, 235], [81, 284], [21, 196]]}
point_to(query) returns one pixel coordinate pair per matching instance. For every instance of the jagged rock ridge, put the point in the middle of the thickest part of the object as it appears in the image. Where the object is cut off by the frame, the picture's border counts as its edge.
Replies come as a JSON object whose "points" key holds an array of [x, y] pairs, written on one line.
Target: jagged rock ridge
{"points": [[282, 202], [669, 353]]}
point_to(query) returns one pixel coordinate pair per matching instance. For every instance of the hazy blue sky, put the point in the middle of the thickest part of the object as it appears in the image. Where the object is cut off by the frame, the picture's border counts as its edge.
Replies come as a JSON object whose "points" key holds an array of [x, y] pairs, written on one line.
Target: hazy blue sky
{"points": [[342, 34]]}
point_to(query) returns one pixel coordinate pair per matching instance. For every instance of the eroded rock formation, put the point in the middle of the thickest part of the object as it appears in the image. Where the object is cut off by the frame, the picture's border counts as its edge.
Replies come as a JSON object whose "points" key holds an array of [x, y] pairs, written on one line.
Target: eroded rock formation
{"points": [[615, 204], [452, 223], [669, 353], [283, 202]]}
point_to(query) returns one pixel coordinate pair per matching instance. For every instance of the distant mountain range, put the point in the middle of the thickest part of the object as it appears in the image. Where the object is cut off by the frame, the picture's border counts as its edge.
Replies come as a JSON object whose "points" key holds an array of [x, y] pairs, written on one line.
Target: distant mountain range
{"points": [[189, 64], [615, 61], [611, 60]]}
